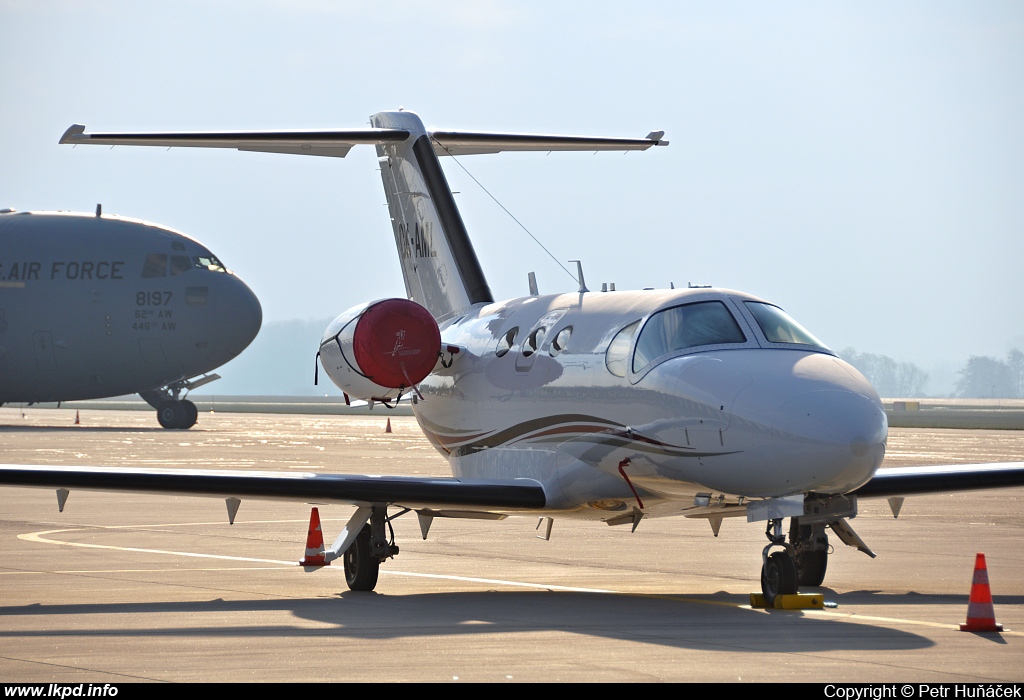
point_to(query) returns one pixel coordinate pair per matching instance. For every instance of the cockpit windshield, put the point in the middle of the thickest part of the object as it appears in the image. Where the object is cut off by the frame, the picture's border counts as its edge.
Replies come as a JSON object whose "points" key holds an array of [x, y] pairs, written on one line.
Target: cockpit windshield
{"points": [[779, 327], [209, 262], [156, 264], [687, 326]]}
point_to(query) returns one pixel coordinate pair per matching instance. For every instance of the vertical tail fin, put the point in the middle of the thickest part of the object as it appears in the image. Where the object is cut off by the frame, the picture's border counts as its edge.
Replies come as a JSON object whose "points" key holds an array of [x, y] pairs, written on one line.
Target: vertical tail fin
{"points": [[439, 264]]}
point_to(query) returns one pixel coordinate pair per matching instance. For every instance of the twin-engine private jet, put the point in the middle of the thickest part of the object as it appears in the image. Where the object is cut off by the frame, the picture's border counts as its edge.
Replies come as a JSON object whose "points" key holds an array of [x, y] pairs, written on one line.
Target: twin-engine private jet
{"points": [[610, 406], [93, 306]]}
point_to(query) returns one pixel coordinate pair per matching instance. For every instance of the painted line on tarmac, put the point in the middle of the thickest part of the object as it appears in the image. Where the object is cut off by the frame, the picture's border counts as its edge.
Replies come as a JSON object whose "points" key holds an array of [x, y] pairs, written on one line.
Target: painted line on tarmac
{"points": [[39, 537]]}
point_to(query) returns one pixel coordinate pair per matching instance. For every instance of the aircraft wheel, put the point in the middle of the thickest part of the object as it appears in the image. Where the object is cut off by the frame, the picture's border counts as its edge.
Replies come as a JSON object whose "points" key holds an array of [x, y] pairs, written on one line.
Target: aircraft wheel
{"points": [[811, 567], [171, 414], [778, 577], [191, 414], [361, 568]]}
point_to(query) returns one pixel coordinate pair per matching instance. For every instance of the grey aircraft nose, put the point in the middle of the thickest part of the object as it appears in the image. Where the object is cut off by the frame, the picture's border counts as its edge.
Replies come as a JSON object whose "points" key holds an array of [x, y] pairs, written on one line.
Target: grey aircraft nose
{"points": [[834, 439], [238, 316]]}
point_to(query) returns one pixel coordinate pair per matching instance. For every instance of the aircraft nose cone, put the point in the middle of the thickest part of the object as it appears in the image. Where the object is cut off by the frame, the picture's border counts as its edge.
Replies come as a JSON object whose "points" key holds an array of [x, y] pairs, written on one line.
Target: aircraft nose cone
{"points": [[236, 315], [248, 315], [831, 440]]}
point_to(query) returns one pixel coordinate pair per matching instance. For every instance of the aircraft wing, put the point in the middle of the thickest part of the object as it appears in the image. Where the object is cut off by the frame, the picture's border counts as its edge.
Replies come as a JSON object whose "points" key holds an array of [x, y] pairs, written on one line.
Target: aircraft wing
{"points": [[909, 481], [411, 492], [337, 142]]}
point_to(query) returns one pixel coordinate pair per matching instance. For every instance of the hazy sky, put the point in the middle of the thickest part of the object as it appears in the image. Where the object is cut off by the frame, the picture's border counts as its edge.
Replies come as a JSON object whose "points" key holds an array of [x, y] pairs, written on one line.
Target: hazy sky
{"points": [[859, 164]]}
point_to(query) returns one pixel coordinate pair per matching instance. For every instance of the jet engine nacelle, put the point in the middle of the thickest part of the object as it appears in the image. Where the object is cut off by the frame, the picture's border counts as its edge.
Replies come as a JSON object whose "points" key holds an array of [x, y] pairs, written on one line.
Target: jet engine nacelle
{"points": [[379, 349]]}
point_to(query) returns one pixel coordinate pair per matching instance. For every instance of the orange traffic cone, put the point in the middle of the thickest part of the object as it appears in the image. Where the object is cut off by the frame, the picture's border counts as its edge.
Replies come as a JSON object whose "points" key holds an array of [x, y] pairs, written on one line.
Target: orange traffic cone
{"points": [[387, 428], [315, 555], [981, 616], [77, 422]]}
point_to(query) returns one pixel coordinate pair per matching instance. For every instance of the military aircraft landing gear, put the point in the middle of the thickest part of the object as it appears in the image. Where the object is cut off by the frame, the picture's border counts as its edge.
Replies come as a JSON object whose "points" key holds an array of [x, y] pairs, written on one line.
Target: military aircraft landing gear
{"points": [[811, 545], [778, 569], [172, 411], [179, 415], [371, 546]]}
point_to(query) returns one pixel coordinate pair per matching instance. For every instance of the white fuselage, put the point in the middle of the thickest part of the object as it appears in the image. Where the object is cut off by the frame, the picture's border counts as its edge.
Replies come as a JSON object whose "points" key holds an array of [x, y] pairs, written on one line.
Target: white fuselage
{"points": [[752, 419]]}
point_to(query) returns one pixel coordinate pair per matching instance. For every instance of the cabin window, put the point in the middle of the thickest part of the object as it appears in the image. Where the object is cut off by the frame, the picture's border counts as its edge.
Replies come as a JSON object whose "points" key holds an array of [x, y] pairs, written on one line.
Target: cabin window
{"points": [[156, 265], [779, 327], [682, 327], [506, 342], [618, 350], [560, 341], [534, 342]]}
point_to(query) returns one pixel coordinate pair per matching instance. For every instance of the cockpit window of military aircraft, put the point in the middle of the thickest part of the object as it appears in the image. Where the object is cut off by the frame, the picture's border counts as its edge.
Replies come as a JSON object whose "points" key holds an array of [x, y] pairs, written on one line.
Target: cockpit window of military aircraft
{"points": [[687, 326], [618, 350], [156, 265], [210, 262], [779, 327]]}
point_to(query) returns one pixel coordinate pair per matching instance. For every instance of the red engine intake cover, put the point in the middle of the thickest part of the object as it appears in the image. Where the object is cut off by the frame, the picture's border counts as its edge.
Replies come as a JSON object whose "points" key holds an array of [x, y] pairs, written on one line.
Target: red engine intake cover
{"points": [[396, 343]]}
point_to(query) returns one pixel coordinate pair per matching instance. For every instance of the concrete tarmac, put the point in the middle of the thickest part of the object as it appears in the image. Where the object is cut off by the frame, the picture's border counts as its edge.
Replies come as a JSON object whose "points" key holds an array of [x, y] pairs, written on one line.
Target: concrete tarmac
{"points": [[123, 587]]}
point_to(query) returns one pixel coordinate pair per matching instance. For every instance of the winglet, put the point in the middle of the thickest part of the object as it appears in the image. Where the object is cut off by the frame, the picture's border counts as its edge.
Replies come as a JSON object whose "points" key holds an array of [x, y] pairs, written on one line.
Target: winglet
{"points": [[74, 134], [314, 558]]}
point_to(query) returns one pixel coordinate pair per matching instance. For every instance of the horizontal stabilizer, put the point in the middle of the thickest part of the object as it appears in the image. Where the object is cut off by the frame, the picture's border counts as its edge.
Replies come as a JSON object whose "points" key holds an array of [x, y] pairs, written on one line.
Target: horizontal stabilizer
{"points": [[337, 142], [458, 143], [331, 142]]}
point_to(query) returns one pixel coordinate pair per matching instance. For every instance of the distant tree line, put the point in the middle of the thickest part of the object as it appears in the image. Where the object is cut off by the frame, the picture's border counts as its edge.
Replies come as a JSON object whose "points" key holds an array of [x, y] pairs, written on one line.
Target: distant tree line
{"points": [[890, 378], [982, 377], [988, 377]]}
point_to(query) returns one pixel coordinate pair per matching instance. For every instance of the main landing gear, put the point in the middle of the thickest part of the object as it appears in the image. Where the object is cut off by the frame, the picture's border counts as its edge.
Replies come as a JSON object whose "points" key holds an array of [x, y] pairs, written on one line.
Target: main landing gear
{"points": [[371, 546]]}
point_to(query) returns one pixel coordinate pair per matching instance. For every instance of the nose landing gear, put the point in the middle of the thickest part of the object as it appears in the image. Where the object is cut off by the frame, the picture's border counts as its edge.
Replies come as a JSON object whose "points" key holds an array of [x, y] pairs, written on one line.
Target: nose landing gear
{"points": [[778, 569], [172, 411], [180, 415]]}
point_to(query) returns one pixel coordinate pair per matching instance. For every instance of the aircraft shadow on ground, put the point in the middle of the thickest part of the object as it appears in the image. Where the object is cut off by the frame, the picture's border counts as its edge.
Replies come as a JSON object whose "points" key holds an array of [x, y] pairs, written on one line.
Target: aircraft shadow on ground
{"points": [[685, 622], [879, 597]]}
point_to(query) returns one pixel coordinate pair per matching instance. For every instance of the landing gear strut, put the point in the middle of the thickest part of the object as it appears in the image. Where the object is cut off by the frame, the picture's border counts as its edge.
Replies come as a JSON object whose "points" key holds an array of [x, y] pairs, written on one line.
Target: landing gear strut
{"points": [[370, 548], [778, 569]]}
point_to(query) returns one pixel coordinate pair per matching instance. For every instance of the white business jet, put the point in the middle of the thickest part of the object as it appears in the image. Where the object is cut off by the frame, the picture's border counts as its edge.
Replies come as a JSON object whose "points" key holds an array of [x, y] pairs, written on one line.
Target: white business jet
{"points": [[609, 406]]}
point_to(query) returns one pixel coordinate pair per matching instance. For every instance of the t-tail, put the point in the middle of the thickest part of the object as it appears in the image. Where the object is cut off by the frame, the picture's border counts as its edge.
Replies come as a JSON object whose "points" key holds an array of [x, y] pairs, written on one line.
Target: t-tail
{"points": [[439, 264]]}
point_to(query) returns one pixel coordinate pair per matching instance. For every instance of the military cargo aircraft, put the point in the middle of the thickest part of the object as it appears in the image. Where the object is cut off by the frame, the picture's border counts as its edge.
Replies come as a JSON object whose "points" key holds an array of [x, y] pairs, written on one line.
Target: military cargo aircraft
{"points": [[93, 305], [611, 406]]}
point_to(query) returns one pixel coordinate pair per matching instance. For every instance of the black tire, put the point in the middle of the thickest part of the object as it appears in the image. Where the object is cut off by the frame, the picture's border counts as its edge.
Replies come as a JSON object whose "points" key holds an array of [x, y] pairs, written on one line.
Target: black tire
{"points": [[361, 567], [811, 566], [171, 414], [778, 577], [191, 414]]}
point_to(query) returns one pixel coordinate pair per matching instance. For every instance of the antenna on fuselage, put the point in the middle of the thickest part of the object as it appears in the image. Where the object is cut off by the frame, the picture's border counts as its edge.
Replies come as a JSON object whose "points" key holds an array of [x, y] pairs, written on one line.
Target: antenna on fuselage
{"points": [[579, 276], [532, 276]]}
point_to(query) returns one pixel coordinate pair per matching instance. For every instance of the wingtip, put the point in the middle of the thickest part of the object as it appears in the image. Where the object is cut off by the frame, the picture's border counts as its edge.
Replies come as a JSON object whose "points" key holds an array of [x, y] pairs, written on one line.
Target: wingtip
{"points": [[73, 133]]}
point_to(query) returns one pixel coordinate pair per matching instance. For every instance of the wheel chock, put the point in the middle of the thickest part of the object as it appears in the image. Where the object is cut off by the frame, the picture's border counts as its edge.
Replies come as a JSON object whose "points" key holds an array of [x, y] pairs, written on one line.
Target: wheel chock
{"points": [[796, 601]]}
